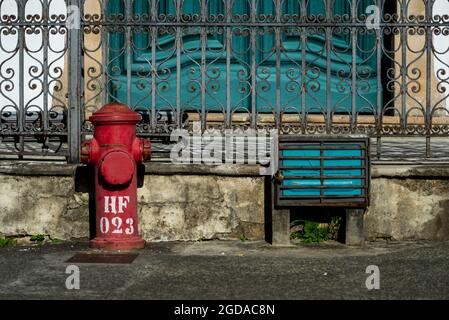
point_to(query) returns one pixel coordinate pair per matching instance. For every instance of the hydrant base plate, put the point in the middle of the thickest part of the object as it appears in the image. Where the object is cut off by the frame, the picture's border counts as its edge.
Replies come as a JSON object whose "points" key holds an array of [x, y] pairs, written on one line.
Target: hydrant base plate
{"points": [[125, 258]]}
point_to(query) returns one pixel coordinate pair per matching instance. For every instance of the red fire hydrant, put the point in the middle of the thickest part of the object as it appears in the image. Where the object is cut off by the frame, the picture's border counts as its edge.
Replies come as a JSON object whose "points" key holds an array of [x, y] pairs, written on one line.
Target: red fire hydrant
{"points": [[115, 151]]}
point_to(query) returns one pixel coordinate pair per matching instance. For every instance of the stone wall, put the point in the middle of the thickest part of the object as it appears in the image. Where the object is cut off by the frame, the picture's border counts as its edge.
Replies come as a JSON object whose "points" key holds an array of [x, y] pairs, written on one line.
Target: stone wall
{"points": [[213, 203]]}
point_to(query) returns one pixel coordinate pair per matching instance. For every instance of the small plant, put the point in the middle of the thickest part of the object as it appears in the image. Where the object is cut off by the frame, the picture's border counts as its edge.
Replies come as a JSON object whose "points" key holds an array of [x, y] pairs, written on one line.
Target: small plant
{"points": [[334, 226], [6, 241], [38, 238], [56, 241], [243, 238], [310, 231], [314, 233]]}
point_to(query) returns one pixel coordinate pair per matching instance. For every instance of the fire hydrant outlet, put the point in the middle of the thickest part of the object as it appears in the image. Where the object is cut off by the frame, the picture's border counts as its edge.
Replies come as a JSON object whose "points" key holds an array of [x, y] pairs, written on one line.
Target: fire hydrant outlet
{"points": [[117, 168]]}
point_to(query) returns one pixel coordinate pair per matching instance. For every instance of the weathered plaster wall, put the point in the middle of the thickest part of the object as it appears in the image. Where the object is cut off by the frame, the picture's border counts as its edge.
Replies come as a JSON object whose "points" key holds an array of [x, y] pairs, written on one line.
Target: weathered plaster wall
{"points": [[403, 209], [42, 205], [178, 207], [192, 207], [406, 203]]}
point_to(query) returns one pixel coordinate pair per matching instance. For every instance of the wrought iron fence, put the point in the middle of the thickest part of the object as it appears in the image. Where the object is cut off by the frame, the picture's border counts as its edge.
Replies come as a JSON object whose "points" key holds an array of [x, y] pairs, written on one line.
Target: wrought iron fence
{"points": [[375, 67]]}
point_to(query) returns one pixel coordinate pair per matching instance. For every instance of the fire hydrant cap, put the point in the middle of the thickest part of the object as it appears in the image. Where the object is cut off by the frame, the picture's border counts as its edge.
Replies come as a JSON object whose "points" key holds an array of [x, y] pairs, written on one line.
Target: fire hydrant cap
{"points": [[117, 168], [115, 112]]}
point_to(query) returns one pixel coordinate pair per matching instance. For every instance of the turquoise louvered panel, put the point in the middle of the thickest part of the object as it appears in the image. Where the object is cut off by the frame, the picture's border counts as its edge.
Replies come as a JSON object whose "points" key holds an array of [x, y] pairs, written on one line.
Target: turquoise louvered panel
{"points": [[323, 172], [291, 80]]}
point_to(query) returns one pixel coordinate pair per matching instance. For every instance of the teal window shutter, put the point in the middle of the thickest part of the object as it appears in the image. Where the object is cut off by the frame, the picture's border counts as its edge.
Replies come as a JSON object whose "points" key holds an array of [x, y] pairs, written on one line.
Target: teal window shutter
{"points": [[341, 57], [290, 72]]}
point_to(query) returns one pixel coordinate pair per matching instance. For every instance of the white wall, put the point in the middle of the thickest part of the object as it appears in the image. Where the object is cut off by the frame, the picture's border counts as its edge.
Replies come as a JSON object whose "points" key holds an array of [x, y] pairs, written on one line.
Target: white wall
{"points": [[33, 57]]}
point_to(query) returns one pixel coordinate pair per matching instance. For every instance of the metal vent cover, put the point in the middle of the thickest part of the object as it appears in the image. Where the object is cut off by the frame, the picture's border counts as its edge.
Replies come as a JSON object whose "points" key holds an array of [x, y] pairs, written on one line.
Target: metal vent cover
{"points": [[323, 171]]}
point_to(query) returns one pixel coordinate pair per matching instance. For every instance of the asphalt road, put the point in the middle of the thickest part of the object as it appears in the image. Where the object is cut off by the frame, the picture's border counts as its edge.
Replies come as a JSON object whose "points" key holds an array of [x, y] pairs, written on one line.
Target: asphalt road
{"points": [[231, 270]]}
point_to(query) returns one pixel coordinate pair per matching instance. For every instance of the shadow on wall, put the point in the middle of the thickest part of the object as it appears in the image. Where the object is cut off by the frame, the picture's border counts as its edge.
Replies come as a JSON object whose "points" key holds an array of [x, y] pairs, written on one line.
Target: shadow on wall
{"points": [[442, 222], [321, 215]]}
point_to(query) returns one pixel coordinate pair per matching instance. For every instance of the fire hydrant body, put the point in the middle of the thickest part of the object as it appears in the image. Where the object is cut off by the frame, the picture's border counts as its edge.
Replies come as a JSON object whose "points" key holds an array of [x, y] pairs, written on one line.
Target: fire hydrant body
{"points": [[115, 151]]}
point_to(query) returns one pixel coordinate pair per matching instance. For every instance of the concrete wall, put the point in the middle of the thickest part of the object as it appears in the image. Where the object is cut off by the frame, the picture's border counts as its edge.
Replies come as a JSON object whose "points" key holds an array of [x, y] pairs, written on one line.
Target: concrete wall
{"points": [[36, 199], [409, 203], [185, 207], [42, 205], [408, 209], [213, 202]]}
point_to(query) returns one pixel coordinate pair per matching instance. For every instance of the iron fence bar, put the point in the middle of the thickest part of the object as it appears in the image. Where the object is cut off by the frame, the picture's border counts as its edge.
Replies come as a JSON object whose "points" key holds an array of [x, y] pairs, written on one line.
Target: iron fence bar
{"points": [[129, 52], [428, 49], [203, 66], [45, 43], [178, 64], [317, 24], [37, 134], [74, 115], [81, 76], [21, 108], [303, 17], [379, 115], [403, 71], [328, 70], [228, 10], [278, 46], [154, 68], [354, 73], [253, 44], [105, 56]]}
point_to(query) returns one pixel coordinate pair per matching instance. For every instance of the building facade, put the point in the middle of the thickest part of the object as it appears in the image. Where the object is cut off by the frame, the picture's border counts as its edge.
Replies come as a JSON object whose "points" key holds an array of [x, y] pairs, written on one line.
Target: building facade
{"points": [[339, 68]]}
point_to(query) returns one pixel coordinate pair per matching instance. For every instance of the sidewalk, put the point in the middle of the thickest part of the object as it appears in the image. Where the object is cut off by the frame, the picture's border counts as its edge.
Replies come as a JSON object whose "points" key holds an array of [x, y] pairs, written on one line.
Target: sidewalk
{"points": [[231, 270]]}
